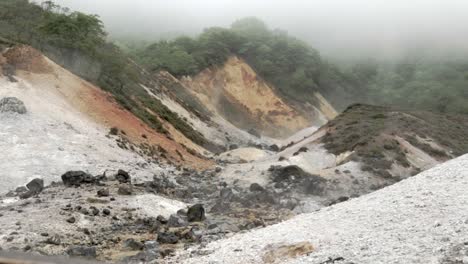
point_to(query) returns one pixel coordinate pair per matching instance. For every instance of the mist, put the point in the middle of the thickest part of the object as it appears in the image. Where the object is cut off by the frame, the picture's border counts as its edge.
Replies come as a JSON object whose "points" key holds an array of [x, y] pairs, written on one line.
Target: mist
{"points": [[337, 28]]}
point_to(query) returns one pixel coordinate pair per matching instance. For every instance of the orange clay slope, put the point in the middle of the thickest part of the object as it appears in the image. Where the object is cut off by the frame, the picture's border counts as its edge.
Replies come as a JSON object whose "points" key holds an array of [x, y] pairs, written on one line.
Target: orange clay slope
{"points": [[236, 92], [96, 104]]}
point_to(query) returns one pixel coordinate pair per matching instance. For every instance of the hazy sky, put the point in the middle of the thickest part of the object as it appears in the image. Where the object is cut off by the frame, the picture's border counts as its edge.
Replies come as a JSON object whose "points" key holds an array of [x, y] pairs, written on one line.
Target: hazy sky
{"points": [[334, 27]]}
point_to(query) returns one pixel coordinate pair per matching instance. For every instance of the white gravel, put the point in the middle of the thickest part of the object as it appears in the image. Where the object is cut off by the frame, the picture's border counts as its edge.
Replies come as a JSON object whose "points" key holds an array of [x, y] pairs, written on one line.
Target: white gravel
{"points": [[53, 137], [418, 220]]}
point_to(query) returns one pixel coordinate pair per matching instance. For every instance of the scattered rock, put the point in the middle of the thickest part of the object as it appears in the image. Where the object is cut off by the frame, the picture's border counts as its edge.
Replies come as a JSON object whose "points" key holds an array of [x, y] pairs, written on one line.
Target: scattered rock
{"points": [[71, 220], [12, 105], [83, 252], [123, 177], [125, 190], [167, 238], [176, 220], [53, 240], [196, 213], [76, 178], [255, 187], [94, 210], [106, 211], [21, 189], [340, 200], [274, 148], [161, 219], [103, 192], [34, 187], [132, 244]]}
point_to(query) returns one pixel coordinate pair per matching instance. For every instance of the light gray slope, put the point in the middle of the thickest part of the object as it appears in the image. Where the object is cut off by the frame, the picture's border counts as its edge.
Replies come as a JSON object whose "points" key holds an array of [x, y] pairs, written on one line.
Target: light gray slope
{"points": [[423, 219]]}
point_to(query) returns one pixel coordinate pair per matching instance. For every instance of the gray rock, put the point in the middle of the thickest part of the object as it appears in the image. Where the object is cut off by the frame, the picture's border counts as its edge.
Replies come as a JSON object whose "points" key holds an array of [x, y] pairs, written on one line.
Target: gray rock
{"points": [[83, 252], [176, 221], [103, 192], [196, 213], [226, 194], [76, 178], [125, 190], [255, 187], [132, 244], [36, 185], [123, 177], [167, 238], [21, 189], [12, 105], [53, 240]]}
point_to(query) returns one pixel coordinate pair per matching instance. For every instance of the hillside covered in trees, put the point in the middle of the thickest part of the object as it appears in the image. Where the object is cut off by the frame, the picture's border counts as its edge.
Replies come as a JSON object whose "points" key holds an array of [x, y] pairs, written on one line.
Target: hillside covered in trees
{"points": [[291, 65], [78, 42], [296, 69]]}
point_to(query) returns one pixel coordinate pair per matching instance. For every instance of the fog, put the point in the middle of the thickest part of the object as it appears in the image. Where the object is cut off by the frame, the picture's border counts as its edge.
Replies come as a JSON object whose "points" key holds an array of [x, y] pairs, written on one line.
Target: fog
{"points": [[337, 28]]}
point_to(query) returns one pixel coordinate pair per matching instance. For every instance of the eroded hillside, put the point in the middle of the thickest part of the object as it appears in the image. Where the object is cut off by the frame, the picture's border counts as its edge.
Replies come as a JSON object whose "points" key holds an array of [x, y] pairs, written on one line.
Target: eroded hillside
{"points": [[236, 92], [41, 83]]}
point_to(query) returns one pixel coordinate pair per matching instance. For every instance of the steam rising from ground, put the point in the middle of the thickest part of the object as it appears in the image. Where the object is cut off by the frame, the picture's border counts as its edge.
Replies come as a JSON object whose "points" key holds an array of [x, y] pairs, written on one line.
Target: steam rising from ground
{"points": [[337, 28]]}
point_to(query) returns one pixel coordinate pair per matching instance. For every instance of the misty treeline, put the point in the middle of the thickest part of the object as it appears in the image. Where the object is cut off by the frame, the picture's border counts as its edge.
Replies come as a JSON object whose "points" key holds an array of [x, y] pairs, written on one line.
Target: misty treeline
{"points": [[297, 69], [292, 66], [288, 63], [415, 83], [50, 24]]}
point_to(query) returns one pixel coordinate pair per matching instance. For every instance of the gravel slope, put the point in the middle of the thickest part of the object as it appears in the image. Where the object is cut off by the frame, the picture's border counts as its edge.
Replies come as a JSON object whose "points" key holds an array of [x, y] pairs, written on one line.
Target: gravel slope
{"points": [[423, 219], [53, 137]]}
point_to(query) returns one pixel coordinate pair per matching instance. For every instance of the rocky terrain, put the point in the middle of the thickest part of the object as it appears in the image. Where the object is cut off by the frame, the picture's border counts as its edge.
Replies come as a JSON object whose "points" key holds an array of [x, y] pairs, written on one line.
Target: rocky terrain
{"points": [[85, 176], [418, 220]]}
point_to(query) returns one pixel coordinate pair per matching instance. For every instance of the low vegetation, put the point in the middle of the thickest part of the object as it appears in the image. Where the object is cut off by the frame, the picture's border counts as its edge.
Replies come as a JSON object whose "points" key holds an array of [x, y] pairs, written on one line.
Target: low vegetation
{"points": [[372, 132]]}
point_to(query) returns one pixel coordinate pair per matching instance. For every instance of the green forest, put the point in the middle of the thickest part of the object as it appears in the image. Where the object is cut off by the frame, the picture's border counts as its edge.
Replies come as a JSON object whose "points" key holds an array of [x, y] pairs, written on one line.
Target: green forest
{"points": [[291, 65], [57, 31], [296, 69]]}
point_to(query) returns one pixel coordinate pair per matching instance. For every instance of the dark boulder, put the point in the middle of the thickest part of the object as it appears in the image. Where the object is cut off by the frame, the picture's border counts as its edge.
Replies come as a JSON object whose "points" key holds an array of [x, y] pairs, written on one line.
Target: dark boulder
{"points": [[233, 146], [82, 252], [125, 190], [255, 187], [12, 105], [176, 220], [167, 238], [287, 173], [21, 189], [36, 185], [103, 192], [132, 244], [161, 219], [53, 240], [274, 148], [76, 178], [123, 177], [196, 213]]}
